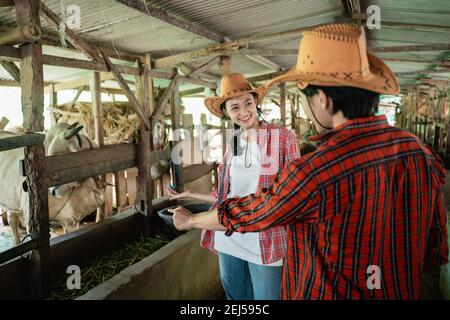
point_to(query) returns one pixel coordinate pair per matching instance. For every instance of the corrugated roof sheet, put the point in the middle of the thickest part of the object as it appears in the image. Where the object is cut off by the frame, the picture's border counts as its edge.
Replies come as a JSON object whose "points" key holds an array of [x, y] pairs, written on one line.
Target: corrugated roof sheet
{"points": [[112, 24]]}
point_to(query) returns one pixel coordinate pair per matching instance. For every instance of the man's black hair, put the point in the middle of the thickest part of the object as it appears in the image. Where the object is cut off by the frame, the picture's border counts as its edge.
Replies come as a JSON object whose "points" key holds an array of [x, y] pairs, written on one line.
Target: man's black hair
{"points": [[353, 102]]}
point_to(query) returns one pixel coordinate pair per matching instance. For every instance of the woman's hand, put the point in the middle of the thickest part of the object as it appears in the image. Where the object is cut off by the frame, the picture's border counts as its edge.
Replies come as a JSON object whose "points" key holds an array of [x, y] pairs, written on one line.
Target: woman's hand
{"points": [[182, 218], [175, 195]]}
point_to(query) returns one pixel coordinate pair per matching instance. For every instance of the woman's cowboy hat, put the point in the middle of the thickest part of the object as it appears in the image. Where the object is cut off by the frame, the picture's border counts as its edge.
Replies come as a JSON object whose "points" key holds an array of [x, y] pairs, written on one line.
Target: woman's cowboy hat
{"points": [[233, 85], [336, 55]]}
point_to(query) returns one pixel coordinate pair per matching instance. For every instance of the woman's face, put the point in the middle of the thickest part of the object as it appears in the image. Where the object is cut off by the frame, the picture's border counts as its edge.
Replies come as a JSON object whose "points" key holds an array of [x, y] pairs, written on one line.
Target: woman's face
{"points": [[242, 110]]}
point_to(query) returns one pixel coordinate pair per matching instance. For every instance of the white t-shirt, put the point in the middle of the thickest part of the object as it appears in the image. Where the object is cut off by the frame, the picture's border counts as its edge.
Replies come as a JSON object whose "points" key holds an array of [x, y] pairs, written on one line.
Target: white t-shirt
{"points": [[243, 181]]}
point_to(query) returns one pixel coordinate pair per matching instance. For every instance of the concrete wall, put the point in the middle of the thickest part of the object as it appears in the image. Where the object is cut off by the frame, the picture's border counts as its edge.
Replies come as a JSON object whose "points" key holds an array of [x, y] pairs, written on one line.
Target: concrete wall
{"points": [[179, 270]]}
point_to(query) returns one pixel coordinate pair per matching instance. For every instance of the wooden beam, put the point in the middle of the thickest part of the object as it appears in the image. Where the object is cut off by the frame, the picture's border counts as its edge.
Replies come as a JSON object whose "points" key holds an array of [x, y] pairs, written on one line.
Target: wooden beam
{"points": [[13, 54], [170, 61], [75, 98], [6, 3], [20, 34], [204, 67], [164, 99], [402, 25], [12, 69], [27, 140], [418, 72], [227, 46], [162, 15], [265, 77], [198, 82], [196, 171], [86, 65], [89, 163], [191, 91], [131, 98], [52, 41], [415, 26], [419, 61], [74, 39], [413, 48]]}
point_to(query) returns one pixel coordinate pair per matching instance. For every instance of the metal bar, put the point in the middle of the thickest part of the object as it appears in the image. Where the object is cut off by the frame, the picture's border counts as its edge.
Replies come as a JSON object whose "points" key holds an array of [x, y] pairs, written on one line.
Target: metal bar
{"points": [[18, 250]]}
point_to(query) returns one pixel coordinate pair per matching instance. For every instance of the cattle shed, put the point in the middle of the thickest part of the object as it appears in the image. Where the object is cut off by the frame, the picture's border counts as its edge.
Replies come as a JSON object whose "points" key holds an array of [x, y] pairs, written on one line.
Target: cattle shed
{"points": [[148, 58]]}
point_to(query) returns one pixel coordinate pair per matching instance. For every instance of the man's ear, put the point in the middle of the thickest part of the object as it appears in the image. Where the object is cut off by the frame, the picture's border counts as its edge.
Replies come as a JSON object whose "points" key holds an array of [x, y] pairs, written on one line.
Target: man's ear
{"points": [[325, 102]]}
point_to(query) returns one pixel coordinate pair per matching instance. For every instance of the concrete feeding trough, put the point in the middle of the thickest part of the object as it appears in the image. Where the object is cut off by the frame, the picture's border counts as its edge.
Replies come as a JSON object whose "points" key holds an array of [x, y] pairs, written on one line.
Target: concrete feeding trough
{"points": [[179, 270]]}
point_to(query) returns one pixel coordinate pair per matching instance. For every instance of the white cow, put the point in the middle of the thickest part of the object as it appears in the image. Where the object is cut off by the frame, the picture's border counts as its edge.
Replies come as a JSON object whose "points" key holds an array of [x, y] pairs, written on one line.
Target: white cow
{"points": [[69, 203]]}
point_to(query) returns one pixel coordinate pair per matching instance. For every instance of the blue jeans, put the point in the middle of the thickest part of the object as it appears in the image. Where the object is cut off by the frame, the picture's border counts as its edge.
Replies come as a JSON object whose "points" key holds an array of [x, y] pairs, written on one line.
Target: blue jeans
{"points": [[243, 280]]}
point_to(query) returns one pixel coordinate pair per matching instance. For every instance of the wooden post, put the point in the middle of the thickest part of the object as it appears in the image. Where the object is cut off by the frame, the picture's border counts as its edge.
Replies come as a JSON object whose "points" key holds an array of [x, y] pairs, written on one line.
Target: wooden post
{"points": [[32, 85], [175, 117], [35, 169], [53, 102], [187, 123], [144, 91], [3, 123], [225, 65], [293, 110], [283, 103], [120, 183], [31, 69], [97, 112]]}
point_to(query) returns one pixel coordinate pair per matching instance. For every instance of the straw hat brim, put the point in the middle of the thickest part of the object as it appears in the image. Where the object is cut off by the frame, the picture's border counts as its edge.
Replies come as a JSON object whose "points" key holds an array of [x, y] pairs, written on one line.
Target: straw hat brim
{"points": [[213, 104], [381, 78]]}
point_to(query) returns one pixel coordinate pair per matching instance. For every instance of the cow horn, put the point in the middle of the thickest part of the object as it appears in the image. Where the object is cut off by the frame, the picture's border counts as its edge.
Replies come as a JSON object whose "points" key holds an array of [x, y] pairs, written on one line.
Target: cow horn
{"points": [[73, 125], [70, 133]]}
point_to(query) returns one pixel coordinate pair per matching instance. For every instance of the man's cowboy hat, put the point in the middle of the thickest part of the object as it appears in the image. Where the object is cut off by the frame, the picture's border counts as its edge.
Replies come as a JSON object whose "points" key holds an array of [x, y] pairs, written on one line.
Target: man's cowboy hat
{"points": [[233, 85], [336, 55]]}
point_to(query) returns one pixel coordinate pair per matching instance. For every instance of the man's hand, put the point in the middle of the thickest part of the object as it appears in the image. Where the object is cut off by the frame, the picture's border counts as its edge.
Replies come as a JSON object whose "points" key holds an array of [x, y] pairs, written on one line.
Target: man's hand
{"points": [[175, 195], [182, 218]]}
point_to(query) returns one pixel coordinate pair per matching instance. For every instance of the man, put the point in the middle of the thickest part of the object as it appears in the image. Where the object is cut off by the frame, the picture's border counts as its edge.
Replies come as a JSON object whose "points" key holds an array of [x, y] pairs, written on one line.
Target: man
{"points": [[365, 211]]}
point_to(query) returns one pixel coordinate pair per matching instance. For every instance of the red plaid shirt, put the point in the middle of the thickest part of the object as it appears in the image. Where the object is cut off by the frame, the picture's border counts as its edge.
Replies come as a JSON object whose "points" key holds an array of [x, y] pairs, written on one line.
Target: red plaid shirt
{"points": [[371, 195], [277, 148]]}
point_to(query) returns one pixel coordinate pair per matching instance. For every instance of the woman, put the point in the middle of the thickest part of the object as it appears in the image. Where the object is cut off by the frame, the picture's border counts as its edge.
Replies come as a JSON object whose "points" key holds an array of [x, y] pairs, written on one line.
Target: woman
{"points": [[250, 264]]}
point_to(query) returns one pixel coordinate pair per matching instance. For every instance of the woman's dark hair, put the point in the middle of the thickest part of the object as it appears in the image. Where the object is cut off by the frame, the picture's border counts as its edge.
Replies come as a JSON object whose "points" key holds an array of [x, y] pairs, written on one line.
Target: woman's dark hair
{"points": [[353, 102]]}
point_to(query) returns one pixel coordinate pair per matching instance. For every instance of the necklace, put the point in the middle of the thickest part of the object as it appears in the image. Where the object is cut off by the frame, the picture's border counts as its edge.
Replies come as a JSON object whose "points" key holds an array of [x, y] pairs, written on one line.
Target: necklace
{"points": [[248, 147]]}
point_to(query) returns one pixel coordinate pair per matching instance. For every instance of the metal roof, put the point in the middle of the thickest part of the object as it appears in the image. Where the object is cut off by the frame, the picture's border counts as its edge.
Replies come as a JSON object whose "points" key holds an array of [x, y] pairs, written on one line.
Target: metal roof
{"points": [[108, 23]]}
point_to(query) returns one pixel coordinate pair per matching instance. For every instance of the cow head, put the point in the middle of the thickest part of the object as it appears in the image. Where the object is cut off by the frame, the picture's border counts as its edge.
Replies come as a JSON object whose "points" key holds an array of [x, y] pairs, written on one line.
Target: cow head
{"points": [[65, 141]]}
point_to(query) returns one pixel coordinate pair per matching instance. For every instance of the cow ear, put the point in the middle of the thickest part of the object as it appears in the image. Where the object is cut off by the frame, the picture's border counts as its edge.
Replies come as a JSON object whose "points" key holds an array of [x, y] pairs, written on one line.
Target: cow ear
{"points": [[73, 125], [70, 133]]}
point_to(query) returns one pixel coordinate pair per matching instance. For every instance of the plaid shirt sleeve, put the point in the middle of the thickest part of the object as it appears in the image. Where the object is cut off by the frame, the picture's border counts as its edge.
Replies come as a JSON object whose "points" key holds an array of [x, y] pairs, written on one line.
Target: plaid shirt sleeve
{"points": [[293, 197], [292, 148], [437, 246]]}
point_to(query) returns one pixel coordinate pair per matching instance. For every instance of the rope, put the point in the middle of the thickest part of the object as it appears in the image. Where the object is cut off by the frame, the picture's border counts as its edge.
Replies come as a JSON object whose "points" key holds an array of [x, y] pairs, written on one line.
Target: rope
{"points": [[62, 27]]}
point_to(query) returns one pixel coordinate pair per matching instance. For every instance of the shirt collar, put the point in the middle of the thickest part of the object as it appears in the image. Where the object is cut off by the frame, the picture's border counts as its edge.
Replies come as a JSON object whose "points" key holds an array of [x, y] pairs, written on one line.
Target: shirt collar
{"points": [[353, 125]]}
